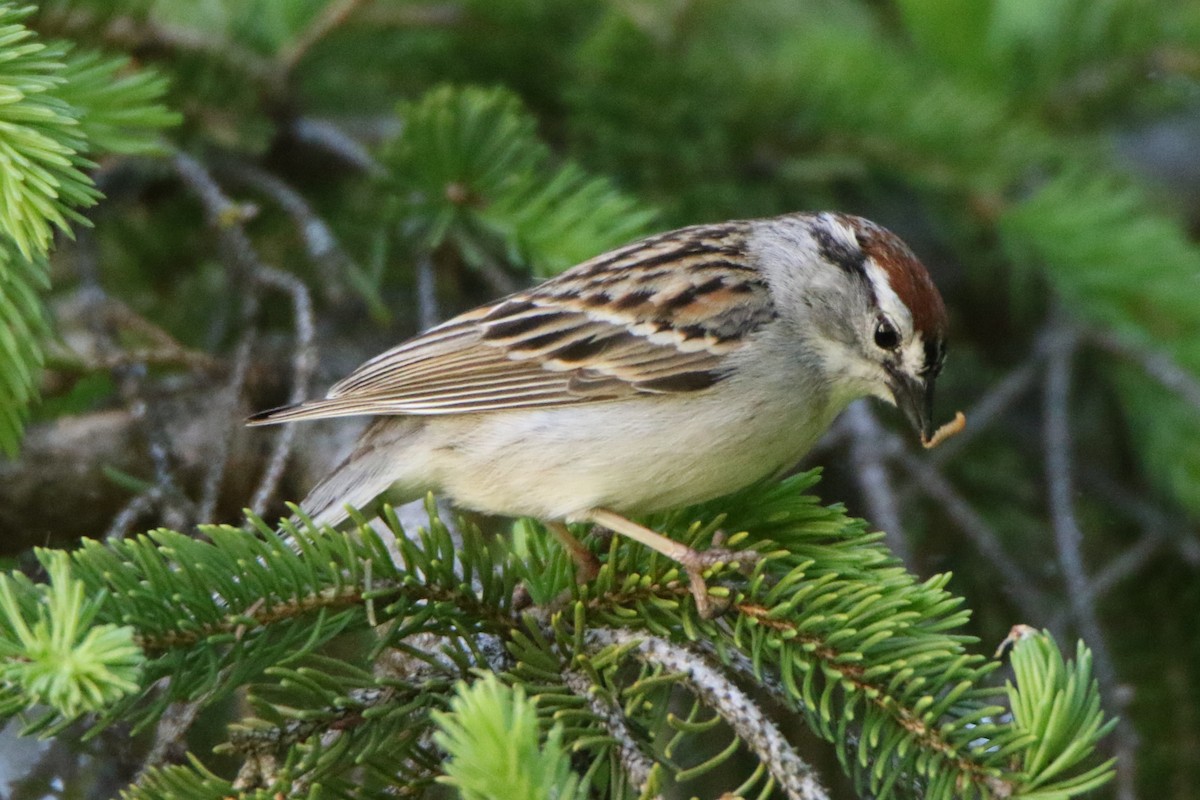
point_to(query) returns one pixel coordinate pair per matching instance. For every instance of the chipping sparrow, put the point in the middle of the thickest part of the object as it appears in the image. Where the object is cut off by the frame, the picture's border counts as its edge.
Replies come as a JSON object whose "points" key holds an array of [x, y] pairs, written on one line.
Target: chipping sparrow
{"points": [[667, 372]]}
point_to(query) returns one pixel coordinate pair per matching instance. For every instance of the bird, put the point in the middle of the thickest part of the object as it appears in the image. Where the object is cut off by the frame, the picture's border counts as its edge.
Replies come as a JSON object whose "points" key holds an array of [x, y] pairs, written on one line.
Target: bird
{"points": [[670, 371]]}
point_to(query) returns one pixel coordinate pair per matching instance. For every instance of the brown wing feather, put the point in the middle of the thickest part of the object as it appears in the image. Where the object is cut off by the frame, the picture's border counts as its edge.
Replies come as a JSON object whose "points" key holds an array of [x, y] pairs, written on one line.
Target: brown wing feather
{"points": [[652, 318]]}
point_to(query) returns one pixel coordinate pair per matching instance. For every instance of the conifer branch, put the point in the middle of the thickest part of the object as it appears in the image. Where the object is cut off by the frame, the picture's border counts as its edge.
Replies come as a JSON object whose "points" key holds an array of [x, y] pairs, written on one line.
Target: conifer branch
{"points": [[60, 109], [468, 195], [862, 637]]}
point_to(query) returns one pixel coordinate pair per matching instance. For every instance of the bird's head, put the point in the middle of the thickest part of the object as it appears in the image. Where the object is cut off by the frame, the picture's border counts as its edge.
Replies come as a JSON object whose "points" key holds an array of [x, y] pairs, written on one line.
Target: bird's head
{"points": [[865, 306]]}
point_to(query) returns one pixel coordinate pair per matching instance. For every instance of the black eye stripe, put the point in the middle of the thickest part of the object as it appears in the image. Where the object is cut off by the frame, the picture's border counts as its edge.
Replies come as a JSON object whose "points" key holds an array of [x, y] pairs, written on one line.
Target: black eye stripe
{"points": [[935, 354]]}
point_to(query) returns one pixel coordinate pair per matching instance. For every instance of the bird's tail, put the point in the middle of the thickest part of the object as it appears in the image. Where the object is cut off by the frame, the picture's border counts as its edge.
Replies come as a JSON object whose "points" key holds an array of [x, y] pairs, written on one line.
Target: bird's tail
{"points": [[363, 475]]}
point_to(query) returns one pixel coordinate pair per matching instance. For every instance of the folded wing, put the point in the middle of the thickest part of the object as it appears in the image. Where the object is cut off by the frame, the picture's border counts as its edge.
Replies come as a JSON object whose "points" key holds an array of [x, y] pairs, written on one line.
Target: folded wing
{"points": [[657, 317]]}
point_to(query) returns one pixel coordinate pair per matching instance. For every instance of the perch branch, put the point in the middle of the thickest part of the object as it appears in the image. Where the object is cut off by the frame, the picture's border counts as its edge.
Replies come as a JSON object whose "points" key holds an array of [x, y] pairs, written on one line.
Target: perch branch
{"points": [[796, 778], [638, 767]]}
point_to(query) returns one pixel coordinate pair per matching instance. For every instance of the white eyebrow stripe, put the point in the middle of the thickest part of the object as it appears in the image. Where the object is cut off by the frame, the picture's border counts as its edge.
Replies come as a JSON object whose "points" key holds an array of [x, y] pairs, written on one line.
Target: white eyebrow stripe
{"points": [[886, 298]]}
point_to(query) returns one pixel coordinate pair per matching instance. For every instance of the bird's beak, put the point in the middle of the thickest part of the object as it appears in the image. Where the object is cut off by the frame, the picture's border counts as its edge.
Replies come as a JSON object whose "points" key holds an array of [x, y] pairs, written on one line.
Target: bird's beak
{"points": [[913, 396]]}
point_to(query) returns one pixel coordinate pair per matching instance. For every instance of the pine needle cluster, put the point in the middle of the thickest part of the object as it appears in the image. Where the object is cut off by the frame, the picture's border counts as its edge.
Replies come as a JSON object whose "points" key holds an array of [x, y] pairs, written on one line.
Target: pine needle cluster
{"points": [[356, 660]]}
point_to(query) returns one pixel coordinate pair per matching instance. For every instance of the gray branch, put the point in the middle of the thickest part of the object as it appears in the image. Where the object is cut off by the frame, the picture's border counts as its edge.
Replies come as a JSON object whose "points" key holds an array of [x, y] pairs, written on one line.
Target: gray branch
{"points": [[320, 243], [335, 141], [226, 217], [1056, 398], [797, 779], [637, 765], [1157, 365], [232, 393], [870, 468], [303, 363]]}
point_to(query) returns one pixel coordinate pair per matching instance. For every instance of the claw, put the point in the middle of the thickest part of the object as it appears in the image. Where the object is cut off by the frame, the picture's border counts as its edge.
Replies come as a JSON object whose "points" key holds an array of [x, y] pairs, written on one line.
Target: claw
{"points": [[695, 562]]}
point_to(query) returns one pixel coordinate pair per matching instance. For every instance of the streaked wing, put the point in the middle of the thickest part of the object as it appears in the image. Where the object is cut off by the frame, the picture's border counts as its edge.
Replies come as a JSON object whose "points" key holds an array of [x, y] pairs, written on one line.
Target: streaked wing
{"points": [[655, 317]]}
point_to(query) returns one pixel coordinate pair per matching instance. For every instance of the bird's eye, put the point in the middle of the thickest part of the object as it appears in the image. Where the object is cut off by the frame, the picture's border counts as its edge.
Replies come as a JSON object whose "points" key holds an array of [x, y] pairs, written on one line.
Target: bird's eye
{"points": [[886, 335]]}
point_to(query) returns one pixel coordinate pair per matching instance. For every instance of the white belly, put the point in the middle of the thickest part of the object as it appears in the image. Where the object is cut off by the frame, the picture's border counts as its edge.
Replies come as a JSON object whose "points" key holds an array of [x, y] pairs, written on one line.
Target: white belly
{"points": [[671, 451]]}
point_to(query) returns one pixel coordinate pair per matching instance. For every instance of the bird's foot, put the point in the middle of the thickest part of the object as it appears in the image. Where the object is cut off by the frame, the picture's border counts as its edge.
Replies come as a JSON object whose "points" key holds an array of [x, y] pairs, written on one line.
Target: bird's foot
{"points": [[696, 562], [587, 565]]}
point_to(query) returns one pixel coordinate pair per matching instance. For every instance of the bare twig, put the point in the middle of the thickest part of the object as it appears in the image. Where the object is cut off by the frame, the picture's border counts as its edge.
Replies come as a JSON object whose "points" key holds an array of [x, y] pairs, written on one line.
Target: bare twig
{"points": [[796, 778], [130, 377], [871, 473], [189, 359], [1121, 567], [1127, 563], [109, 317], [333, 140], [1056, 397], [1018, 585], [176, 509], [226, 217], [221, 212], [323, 248], [303, 361], [128, 516], [211, 492], [1156, 364], [1060, 479], [427, 305]]}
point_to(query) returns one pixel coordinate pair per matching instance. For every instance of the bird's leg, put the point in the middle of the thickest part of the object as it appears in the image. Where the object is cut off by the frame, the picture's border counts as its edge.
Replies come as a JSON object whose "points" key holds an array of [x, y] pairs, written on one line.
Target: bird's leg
{"points": [[586, 563], [693, 561]]}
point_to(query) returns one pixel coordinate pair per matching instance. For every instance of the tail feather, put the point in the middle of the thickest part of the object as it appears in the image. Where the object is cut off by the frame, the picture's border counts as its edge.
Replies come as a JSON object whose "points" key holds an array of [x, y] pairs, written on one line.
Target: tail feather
{"points": [[366, 473], [314, 409]]}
